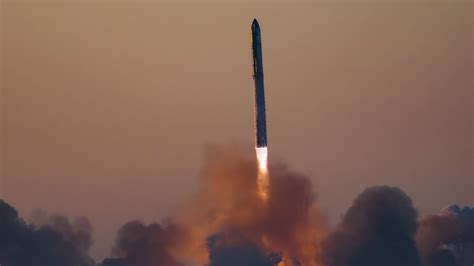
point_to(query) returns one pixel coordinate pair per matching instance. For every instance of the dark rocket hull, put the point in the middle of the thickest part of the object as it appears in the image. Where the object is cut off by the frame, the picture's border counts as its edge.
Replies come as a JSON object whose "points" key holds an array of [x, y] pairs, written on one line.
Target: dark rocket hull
{"points": [[257, 71]]}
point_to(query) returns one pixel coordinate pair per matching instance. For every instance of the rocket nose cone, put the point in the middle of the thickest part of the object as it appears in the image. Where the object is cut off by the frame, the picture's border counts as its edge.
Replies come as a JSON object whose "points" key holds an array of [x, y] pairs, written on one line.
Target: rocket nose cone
{"points": [[255, 26]]}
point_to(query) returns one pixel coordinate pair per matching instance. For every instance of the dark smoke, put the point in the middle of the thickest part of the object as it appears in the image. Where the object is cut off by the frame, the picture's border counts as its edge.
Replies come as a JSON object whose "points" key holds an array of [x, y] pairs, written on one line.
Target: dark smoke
{"points": [[146, 245], [57, 244], [79, 232], [232, 249], [447, 239], [378, 229]]}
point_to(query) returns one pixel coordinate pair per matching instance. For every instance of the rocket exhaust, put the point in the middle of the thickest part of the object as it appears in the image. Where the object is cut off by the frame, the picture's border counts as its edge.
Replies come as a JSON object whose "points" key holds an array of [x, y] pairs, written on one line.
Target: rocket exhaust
{"points": [[263, 180], [259, 110]]}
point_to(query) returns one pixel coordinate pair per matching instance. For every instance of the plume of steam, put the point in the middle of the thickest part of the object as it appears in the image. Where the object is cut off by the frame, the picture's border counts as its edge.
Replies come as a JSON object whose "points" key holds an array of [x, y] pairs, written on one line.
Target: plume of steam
{"points": [[53, 244], [447, 239], [378, 229]]}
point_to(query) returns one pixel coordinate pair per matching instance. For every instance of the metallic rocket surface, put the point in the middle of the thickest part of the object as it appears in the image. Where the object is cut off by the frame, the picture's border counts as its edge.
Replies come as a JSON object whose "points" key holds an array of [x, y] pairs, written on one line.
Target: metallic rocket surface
{"points": [[257, 71]]}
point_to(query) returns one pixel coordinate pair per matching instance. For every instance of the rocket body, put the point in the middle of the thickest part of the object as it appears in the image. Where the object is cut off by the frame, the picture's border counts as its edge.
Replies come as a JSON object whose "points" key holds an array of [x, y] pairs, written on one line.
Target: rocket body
{"points": [[257, 72]]}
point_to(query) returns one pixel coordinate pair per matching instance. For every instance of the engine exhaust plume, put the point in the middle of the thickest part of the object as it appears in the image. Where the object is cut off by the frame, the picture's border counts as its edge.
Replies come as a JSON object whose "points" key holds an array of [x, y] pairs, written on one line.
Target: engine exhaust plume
{"points": [[263, 177]]}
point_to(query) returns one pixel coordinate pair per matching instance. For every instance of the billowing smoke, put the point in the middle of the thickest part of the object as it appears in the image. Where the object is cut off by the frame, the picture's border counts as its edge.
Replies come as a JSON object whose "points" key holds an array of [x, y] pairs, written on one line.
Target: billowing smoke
{"points": [[145, 245], [378, 229], [77, 232], [447, 239], [230, 249], [57, 242], [229, 224], [287, 223]]}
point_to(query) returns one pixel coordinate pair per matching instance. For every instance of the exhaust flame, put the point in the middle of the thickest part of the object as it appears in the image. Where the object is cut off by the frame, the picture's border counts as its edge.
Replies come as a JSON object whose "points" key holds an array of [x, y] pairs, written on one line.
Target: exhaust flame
{"points": [[262, 179]]}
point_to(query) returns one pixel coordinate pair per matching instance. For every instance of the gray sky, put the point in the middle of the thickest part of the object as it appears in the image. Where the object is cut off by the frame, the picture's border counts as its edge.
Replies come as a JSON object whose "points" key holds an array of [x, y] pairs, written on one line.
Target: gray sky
{"points": [[107, 107]]}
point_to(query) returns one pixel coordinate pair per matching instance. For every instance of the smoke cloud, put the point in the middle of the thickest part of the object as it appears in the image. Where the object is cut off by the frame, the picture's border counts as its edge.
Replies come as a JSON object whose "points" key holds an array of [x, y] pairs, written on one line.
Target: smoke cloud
{"points": [[287, 223], [232, 250], [145, 245], [378, 229], [447, 239], [228, 224], [57, 243]]}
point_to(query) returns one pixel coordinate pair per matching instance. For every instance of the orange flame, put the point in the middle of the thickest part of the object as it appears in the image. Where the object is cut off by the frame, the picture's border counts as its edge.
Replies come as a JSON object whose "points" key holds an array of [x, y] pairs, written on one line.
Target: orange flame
{"points": [[262, 179]]}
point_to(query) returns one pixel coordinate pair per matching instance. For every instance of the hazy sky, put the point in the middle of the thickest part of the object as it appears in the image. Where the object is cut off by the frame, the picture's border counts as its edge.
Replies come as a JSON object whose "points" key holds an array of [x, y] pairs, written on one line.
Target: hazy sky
{"points": [[107, 107]]}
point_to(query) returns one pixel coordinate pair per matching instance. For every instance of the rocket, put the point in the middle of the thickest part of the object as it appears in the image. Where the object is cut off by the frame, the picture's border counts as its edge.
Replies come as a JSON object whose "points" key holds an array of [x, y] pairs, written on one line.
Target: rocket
{"points": [[257, 73]]}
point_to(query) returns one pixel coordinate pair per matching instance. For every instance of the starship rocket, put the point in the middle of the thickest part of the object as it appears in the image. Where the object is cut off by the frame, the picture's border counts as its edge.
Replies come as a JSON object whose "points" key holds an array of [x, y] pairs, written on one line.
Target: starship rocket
{"points": [[257, 73]]}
